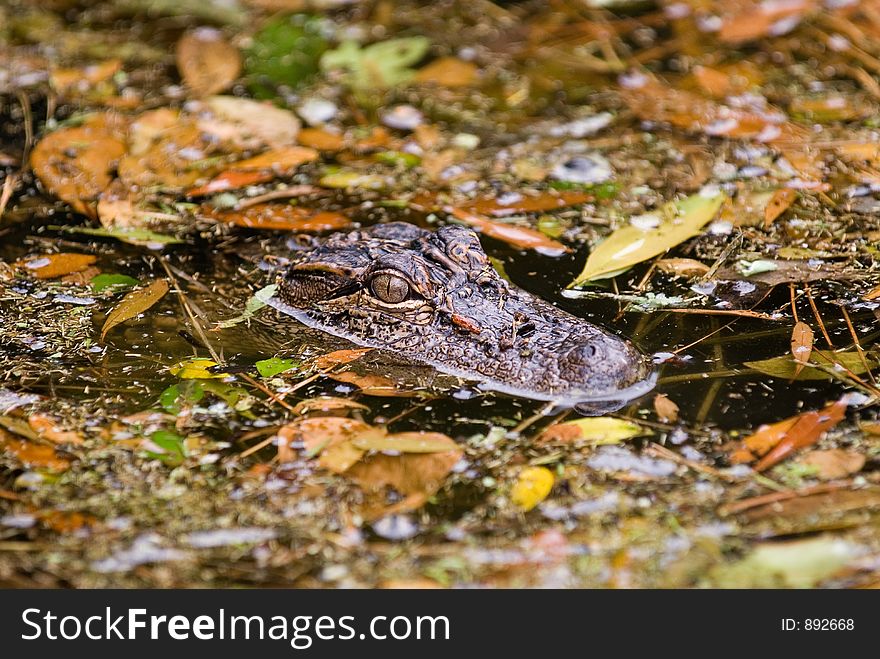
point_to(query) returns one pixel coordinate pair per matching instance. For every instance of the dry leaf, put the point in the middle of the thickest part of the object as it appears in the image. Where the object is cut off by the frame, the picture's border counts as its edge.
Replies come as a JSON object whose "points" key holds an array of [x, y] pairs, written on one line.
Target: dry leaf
{"points": [[667, 411], [51, 266], [448, 72], [280, 217], [207, 63], [338, 357], [231, 180], [689, 268], [32, 455], [283, 160], [133, 304], [406, 442], [326, 404], [251, 124], [321, 139], [595, 429], [80, 80], [521, 237], [801, 345], [408, 473], [48, 428], [834, 463], [778, 204]]}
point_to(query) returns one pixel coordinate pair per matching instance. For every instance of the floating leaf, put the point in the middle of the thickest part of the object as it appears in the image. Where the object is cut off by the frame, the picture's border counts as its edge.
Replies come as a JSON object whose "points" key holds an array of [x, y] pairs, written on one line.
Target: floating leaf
{"points": [[256, 302], [230, 180], [321, 139], [781, 200], [689, 268], [285, 159], [786, 367], [338, 357], [196, 369], [632, 244], [834, 463], [326, 404], [409, 473], [667, 411], [407, 442], [133, 304], [521, 237], [532, 486], [51, 266], [281, 217], [175, 397], [33, 455], [141, 237], [801, 345], [273, 366], [207, 63], [101, 283], [597, 429]]}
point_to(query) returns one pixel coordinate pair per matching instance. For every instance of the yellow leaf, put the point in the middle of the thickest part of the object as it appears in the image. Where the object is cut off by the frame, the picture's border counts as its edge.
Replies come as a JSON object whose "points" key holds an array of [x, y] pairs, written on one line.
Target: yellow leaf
{"points": [[633, 244], [407, 442], [196, 369], [596, 429], [133, 304], [531, 487]]}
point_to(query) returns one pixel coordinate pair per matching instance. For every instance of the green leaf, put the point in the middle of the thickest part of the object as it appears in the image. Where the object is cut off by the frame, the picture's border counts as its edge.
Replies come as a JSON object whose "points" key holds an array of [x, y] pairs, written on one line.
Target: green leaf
{"points": [[168, 441], [285, 52], [380, 65], [632, 244], [269, 367], [103, 282], [785, 366], [175, 397], [140, 237], [256, 302]]}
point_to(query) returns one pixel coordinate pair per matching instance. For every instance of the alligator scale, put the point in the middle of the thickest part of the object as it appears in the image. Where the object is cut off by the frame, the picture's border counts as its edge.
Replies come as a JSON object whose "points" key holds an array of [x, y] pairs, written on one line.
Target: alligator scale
{"points": [[433, 297]]}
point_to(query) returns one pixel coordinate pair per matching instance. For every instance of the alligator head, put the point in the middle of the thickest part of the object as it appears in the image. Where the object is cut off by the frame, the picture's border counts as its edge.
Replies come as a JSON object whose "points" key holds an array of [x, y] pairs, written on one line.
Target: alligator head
{"points": [[435, 298]]}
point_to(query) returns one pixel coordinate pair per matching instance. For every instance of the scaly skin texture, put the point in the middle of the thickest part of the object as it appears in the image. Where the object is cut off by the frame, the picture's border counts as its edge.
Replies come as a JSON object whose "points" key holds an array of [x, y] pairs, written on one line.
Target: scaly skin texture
{"points": [[434, 297]]}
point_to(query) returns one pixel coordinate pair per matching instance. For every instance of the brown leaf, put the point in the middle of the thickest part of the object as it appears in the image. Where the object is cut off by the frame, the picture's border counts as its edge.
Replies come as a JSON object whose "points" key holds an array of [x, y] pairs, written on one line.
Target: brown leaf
{"points": [[689, 268], [166, 156], [285, 159], [407, 473], [207, 63], [326, 404], [321, 139], [801, 345], [48, 428], [51, 266], [515, 205], [32, 455], [280, 217], [371, 385], [133, 304], [231, 180], [75, 163], [521, 237], [66, 522], [330, 438], [81, 79], [448, 72], [834, 463], [778, 204], [338, 357], [407, 442], [667, 411]]}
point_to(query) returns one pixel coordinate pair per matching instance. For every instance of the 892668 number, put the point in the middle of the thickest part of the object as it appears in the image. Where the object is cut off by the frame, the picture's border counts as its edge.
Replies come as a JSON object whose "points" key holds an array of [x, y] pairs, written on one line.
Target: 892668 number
{"points": [[828, 624]]}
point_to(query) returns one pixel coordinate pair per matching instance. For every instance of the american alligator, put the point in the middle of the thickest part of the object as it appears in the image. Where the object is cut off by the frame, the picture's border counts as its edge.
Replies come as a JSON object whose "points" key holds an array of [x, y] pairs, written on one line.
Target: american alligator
{"points": [[434, 297]]}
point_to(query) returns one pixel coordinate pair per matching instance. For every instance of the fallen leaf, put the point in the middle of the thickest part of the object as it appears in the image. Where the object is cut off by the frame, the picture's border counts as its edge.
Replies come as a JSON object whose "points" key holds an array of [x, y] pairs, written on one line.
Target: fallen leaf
{"points": [[51, 266], [781, 200], [280, 217], [596, 429], [370, 384], [253, 123], [337, 357], [326, 404], [801, 345], [284, 160], [174, 156], [75, 164], [67, 81], [321, 139], [66, 522], [521, 237], [32, 455], [196, 369], [231, 180], [408, 473], [206, 61], [329, 438], [834, 463], [633, 244], [448, 72], [407, 442], [133, 304], [48, 428], [750, 21], [786, 367], [667, 411], [532, 486], [379, 65], [689, 268]]}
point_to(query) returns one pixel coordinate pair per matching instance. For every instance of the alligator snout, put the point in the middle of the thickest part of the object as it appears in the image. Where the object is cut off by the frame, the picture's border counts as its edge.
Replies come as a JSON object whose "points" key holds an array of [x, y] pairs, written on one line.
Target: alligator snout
{"points": [[435, 298]]}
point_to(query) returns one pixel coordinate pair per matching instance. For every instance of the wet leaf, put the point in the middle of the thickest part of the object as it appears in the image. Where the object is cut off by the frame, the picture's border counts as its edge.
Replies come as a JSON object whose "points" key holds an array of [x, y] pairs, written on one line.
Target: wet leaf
{"points": [[32, 455], [338, 357], [285, 52], [532, 486], [177, 396], [667, 411], [268, 368], [407, 442], [379, 65], [283, 160], [75, 164], [48, 428], [321, 139], [329, 438], [834, 463], [52, 266], [801, 345], [75, 81], [231, 180], [371, 384], [101, 283], [253, 123], [281, 217], [597, 430], [173, 156], [196, 369], [207, 63], [350, 179], [786, 367], [448, 72], [409, 473], [141, 237], [521, 237], [326, 404], [256, 302], [780, 202], [134, 304], [633, 244], [689, 268]]}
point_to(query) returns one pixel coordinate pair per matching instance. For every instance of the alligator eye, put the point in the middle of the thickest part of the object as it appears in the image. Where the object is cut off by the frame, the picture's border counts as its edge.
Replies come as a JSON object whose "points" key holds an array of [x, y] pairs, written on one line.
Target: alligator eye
{"points": [[389, 288]]}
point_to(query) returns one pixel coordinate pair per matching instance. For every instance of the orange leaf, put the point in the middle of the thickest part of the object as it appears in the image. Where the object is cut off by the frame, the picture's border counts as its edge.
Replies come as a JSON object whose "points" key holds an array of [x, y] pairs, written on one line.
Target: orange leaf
{"points": [[521, 237], [806, 430], [778, 204], [284, 159], [207, 62], [280, 217], [338, 357], [50, 266], [448, 72], [47, 428], [231, 180], [33, 455], [667, 411], [801, 345], [321, 139]]}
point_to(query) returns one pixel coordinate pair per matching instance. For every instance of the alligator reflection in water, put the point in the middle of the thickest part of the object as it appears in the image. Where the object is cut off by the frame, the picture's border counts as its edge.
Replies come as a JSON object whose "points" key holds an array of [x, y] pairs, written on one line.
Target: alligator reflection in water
{"points": [[435, 298]]}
